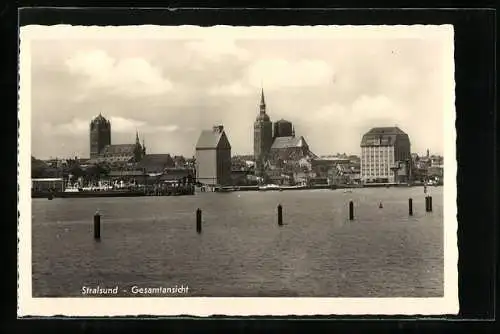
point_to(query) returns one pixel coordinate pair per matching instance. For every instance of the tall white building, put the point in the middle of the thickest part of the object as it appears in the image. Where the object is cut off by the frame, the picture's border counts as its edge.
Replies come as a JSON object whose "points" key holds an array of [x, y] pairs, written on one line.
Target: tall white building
{"points": [[385, 155]]}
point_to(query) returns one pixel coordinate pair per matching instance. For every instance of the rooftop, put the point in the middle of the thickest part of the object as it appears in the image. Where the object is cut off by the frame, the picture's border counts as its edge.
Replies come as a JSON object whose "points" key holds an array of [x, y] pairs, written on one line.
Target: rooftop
{"points": [[100, 119], [156, 162], [385, 136], [211, 139], [394, 130], [119, 149], [288, 142]]}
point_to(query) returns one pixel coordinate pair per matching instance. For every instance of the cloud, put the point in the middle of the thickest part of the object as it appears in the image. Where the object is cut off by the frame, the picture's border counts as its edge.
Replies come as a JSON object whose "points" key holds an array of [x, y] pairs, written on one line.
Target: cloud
{"points": [[119, 125], [371, 109], [332, 89], [129, 126], [277, 73], [131, 76], [331, 112], [365, 109], [125, 125], [216, 49], [162, 128], [76, 126], [234, 89], [339, 127]]}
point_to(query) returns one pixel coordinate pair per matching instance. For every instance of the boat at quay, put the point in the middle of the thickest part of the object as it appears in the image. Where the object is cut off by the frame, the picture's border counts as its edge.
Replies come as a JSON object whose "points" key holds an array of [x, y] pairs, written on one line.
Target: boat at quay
{"points": [[72, 192], [87, 194]]}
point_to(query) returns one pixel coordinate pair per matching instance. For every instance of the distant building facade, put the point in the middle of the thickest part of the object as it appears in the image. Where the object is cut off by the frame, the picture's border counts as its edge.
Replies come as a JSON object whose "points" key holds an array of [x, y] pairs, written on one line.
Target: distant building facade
{"points": [[213, 157], [385, 155], [101, 149]]}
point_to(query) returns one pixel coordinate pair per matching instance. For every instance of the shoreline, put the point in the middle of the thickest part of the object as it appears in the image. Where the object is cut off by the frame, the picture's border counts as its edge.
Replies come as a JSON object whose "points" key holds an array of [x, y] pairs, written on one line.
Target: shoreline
{"points": [[133, 193]]}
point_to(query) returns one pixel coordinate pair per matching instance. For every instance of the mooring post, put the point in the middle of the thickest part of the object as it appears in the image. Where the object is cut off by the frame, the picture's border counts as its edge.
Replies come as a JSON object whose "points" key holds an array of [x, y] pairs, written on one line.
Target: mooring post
{"points": [[410, 206], [351, 210], [426, 203], [198, 220], [430, 203], [97, 226], [280, 215]]}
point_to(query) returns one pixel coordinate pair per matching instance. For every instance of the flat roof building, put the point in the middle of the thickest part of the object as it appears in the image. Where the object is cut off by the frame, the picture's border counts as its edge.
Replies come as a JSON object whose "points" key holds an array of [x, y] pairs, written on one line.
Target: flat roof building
{"points": [[385, 155]]}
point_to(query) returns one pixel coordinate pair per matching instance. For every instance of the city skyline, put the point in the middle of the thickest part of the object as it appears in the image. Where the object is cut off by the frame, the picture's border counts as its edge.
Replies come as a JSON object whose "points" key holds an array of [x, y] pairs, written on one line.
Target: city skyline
{"points": [[333, 90]]}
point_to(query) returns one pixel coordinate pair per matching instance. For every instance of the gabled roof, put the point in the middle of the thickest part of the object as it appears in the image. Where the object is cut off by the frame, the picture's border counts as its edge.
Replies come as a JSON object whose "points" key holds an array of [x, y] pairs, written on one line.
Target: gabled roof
{"points": [[119, 149], [156, 162], [112, 158], [288, 142], [211, 139]]}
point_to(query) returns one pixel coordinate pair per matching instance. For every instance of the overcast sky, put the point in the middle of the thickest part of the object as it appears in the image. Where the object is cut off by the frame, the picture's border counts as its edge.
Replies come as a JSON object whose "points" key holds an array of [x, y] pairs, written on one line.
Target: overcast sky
{"points": [[170, 88]]}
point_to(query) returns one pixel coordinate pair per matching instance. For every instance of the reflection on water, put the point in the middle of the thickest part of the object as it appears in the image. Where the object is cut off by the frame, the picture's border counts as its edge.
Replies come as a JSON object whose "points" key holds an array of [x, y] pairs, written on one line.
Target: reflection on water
{"points": [[152, 241]]}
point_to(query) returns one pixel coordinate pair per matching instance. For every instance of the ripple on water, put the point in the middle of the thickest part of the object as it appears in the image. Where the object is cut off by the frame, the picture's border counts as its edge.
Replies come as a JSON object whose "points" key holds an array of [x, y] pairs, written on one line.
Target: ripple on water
{"points": [[241, 250]]}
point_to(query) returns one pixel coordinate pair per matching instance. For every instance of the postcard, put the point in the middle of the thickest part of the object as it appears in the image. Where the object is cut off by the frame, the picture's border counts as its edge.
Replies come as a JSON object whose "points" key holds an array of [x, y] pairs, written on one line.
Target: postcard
{"points": [[264, 170]]}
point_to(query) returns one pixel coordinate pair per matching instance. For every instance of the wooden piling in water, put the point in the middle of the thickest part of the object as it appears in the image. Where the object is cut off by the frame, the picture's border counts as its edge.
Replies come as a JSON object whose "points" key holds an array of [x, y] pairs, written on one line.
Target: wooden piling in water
{"points": [[280, 215], [351, 210], [410, 206], [430, 203], [198, 220], [97, 226]]}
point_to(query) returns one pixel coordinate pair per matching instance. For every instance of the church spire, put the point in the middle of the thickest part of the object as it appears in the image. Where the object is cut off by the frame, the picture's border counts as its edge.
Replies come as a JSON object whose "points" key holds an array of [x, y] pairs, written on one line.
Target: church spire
{"points": [[293, 131], [137, 137], [262, 102]]}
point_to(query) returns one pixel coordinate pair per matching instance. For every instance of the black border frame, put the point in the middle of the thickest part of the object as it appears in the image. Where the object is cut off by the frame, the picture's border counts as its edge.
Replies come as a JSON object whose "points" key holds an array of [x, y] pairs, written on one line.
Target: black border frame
{"points": [[475, 74]]}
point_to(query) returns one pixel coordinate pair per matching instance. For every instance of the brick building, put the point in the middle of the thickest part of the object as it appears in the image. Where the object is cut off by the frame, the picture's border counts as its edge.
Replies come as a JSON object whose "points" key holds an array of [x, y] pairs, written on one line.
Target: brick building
{"points": [[102, 151]]}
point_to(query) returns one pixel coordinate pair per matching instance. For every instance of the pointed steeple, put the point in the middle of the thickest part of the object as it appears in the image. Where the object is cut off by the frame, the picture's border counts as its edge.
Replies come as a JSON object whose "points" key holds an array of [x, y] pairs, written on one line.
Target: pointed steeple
{"points": [[262, 102], [262, 116], [293, 131], [137, 137]]}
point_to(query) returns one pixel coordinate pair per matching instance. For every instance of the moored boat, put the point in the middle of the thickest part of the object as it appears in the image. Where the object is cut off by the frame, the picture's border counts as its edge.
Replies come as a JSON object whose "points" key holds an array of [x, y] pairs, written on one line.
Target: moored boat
{"points": [[293, 187], [269, 187], [225, 189]]}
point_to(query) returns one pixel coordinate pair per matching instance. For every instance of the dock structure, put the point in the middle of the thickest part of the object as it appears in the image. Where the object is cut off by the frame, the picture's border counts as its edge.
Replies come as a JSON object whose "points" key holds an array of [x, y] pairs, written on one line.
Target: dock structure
{"points": [[170, 190]]}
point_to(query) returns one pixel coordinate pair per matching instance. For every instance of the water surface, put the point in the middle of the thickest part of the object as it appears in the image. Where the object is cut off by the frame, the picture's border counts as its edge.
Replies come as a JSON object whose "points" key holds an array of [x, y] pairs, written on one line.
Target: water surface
{"points": [[152, 241]]}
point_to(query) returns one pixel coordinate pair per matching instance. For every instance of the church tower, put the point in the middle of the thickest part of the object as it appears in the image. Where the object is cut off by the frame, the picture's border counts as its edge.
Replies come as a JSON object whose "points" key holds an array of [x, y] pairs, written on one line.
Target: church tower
{"points": [[263, 135], [139, 151], [100, 135]]}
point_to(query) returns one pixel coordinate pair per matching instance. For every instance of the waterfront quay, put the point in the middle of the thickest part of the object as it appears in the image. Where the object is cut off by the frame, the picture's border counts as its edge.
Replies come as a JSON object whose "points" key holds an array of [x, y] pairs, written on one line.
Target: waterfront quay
{"points": [[241, 250]]}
